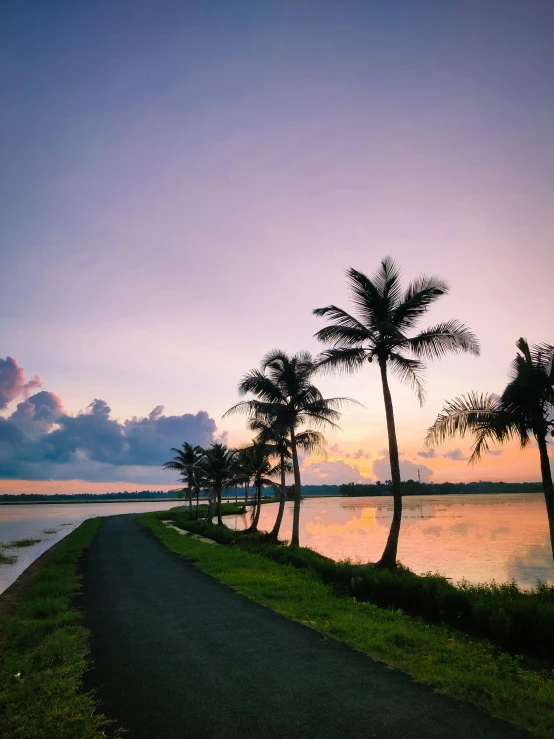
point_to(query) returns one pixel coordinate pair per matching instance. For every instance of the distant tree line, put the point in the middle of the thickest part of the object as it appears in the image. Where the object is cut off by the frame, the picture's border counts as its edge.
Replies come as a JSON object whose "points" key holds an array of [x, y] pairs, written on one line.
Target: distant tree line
{"points": [[413, 487]]}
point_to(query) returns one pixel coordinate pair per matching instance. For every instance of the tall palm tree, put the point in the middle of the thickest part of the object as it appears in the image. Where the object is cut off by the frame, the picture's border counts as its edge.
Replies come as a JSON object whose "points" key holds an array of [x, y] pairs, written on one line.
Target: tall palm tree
{"points": [[283, 386], [275, 435], [523, 411], [185, 462], [384, 315], [217, 472]]}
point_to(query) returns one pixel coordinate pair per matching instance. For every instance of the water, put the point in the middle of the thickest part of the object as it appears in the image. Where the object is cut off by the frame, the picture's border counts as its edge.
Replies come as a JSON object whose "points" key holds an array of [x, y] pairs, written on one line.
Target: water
{"points": [[34, 520], [477, 537]]}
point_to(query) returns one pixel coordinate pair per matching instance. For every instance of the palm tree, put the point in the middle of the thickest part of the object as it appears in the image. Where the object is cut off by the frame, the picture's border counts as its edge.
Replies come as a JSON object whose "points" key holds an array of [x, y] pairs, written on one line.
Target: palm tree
{"points": [[523, 411], [257, 467], [242, 467], [217, 472], [284, 389], [186, 463], [274, 434], [384, 314]]}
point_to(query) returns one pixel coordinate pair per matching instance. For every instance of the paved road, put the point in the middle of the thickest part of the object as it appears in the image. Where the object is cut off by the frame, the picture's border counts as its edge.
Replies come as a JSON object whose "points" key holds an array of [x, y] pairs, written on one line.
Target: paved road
{"points": [[175, 654]]}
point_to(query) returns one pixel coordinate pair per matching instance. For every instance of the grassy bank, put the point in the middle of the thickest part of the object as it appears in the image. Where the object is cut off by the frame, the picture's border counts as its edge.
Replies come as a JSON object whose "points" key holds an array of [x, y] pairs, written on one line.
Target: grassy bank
{"points": [[44, 646], [459, 666], [518, 621]]}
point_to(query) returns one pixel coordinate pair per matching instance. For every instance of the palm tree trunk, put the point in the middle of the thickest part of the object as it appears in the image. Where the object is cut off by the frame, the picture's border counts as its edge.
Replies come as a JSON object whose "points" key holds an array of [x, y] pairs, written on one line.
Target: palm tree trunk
{"points": [[197, 501], [258, 505], [275, 530], [189, 492], [295, 540], [211, 506], [219, 519], [548, 488], [388, 559]]}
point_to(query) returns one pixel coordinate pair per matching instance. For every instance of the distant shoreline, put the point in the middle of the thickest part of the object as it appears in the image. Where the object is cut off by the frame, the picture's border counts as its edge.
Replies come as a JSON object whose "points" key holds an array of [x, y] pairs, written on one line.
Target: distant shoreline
{"points": [[241, 499]]}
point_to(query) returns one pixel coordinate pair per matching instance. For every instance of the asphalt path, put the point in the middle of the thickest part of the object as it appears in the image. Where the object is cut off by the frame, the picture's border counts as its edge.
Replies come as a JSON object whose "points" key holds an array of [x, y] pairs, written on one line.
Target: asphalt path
{"points": [[176, 654]]}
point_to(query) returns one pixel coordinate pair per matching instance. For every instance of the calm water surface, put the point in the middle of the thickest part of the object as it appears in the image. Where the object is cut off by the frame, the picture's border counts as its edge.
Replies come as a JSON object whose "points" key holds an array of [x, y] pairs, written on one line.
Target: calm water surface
{"points": [[477, 537], [34, 521]]}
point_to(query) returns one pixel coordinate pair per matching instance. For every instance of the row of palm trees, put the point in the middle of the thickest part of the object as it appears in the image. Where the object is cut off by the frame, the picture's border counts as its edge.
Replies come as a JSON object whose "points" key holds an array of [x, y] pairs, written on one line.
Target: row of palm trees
{"points": [[380, 329]]}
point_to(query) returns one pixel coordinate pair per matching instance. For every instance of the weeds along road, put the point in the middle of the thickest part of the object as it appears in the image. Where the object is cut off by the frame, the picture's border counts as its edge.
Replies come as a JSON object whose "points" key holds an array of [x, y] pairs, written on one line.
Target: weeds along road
{"points": [[177, 655]]}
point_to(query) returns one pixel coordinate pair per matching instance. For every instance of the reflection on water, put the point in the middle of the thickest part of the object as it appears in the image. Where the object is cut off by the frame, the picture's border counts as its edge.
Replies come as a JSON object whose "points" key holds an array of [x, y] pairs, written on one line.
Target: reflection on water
{"points": [[477, 537], [50, 523]]}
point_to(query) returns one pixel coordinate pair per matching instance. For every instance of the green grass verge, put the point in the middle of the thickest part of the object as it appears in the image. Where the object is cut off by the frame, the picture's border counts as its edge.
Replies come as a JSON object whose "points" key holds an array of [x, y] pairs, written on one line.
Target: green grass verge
{"points": [[44, 653], [470, 670]]}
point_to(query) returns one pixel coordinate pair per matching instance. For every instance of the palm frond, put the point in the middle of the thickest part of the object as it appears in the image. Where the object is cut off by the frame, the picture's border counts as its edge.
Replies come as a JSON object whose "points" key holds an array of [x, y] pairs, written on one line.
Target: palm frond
{"points": [[366, 297], [420, 294], [444, 338], [410, 372], [387, 282], [481, 415], [342, 360], [339, 317], [344, 336]]}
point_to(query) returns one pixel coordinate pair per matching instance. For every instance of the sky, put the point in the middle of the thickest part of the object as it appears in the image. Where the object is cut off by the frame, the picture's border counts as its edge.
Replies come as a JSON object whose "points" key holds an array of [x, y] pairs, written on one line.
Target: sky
{"points": [[183, 183]]}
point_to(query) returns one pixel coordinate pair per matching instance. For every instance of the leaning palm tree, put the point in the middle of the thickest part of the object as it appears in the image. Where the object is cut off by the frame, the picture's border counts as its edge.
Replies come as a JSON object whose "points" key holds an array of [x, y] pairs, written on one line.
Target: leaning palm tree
{"points": [[258, 468], [185, 462], [274, 434], [378, 332], [217, 472], [523, 411], [284, 389]]}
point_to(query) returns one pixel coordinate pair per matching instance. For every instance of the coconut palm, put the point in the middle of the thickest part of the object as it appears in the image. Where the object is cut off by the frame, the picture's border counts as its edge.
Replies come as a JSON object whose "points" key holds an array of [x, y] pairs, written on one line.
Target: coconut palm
{"points": [[384, 314], [185, 462], [274, 434], [523, 411], [242, 471], [217, 472], [258, 468], [284, 389]]}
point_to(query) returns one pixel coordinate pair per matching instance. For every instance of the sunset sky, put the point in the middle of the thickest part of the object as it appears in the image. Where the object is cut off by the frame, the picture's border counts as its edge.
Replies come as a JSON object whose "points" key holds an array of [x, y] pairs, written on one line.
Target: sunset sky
{"points": [[183, 183]]}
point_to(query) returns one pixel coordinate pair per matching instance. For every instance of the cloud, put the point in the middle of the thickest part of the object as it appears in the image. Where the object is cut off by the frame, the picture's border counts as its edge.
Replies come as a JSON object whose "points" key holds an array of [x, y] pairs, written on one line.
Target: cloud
{"points": [[331, 473], [495, 452], [430, 454], [408, 470], [12, 382], [335, 450], [456, 455], [39, 441]]}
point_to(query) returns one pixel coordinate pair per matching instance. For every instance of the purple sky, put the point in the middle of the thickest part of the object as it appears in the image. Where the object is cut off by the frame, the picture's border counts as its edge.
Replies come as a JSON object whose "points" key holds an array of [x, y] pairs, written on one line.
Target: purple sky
{"points": [[182, 183]]}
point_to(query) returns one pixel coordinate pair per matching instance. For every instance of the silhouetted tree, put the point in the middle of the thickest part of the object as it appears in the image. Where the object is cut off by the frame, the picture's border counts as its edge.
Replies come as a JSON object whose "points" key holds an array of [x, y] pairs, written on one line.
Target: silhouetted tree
{"points": [[185, 462], [385, 313], [523, 411], [284, 390]]}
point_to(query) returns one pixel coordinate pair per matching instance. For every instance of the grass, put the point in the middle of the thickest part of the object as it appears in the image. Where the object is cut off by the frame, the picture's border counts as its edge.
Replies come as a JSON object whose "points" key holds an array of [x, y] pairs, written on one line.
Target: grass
{"points": [[471, 670], [7, 559], [44, 653], [20, 543], [517, 621]]}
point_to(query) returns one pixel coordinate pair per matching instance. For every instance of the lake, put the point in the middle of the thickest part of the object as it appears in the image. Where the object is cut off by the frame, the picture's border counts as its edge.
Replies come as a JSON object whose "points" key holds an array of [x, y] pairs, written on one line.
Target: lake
{"points": [[34, 521], [477, 537]]}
